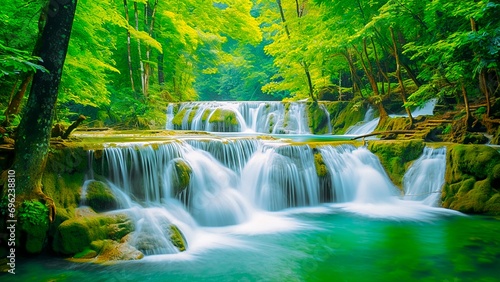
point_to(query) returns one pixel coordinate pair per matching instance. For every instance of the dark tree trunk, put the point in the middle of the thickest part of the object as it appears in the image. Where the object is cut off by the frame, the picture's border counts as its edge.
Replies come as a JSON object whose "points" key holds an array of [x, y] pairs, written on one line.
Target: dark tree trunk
{"points": [[129, 52], [15, 103], [376, 99], [466, 103], [161, 73], [399, 77], [309, 82], [34, 130], [282, 14]]}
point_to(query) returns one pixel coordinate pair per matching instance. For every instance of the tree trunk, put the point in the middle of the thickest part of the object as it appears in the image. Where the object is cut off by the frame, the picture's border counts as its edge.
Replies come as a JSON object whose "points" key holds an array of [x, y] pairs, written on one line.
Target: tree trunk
{"points": [[34, 130], [161, 73], [150, 26], [129, 52], [356, 81], [399, 77], [380, 70], [15, 103], [283, 20], [377, 101], [466, 102], [141, 63], [483, 86], [309, 82]]}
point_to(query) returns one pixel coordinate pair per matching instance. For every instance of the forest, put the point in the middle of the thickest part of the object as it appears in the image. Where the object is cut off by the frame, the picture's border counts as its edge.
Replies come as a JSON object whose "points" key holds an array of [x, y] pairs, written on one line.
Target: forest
{"points": [[214, 140], [127, 60]]}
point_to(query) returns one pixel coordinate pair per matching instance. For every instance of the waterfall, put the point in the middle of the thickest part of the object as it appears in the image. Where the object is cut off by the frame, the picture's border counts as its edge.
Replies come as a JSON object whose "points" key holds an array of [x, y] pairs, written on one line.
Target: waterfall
{"points": [[196, 183], [425, 178], [262, 117], [357, 175], [369, 122], [280, 177]]}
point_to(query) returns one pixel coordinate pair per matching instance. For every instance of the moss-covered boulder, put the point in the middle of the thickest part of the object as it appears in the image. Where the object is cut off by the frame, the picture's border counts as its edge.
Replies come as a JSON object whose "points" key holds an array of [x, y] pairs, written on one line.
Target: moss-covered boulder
{"points": [[223, 120], [394, 123], [472, 179], [474, 138], [320, 165], [100, 197], [345, 114], [76, 234], [396, 156], [181, 175], [158, 237], [496, 136], [177, 238], [318, 118]]}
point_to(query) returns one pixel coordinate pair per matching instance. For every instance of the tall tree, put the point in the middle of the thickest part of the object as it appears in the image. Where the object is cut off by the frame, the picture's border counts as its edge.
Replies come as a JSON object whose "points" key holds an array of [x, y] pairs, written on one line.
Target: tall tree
{"points": [[32, 144]]}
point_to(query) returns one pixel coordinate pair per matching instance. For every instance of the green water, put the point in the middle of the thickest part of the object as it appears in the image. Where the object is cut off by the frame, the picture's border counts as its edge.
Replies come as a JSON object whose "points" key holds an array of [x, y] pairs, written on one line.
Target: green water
{"points": [[328, 245]]}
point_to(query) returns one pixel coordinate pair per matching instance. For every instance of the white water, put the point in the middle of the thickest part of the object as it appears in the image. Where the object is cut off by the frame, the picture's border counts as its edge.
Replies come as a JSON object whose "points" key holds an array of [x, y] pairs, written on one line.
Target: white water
{"points": [[235, 184], [262, 117], [425, 178], [369, 122]]}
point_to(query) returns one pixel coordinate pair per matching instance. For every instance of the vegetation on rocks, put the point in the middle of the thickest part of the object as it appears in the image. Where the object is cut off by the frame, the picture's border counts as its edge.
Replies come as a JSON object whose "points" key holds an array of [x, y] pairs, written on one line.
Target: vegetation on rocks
{"points": [[100, 197], [396, 156], [472, 180]]}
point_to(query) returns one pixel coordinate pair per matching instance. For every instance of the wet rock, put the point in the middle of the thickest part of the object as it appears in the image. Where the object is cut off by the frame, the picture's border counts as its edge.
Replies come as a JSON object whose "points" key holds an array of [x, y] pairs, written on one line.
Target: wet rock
{"points": [[100, 197]]}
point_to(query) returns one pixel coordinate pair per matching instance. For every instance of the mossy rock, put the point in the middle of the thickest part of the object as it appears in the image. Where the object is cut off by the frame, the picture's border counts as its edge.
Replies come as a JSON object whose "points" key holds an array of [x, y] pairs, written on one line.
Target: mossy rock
{"points": [[223, 120], [472, 180], [496, 136], [474, 138], [100, 197], [177, 238], [394, 123], [395, 156], [109, 250], [473, 201], [86, 254], [476, 160], [76, 234], [321, 169], [181, 176], [35, 236], [318, 118], [345, 114]]}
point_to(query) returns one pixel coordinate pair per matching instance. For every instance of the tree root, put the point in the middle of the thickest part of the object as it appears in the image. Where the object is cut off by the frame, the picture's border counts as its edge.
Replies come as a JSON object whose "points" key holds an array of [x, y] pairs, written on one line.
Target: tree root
{"points": [[50, 204]]}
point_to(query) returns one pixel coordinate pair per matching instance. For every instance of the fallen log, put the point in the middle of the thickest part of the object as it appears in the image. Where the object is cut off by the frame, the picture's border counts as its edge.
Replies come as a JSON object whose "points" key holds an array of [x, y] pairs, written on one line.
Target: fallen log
{"points": [[72, 127], [384, 133]]}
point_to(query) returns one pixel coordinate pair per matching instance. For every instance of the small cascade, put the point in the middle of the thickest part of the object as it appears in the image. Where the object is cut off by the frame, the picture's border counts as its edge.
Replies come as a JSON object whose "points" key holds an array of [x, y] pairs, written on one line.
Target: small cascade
{"points": [[232, 153], [211, 196], [369, 122], [366, 126], [262, 117], [280, 177], [425, 178], [357, 175]]}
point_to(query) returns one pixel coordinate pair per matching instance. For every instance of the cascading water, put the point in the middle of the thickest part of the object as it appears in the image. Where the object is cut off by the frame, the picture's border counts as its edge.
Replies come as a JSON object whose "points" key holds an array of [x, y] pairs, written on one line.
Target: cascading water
{"points": [[262, 117], [279, 177], [369, 123], [193, 184], [357, 175], [425, 178]]}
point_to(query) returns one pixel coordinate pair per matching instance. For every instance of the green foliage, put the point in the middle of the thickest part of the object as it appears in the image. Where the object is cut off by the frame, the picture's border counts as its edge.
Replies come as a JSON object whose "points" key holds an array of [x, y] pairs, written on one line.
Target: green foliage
{"points": [[249, 50], [34, 213], [14, 61]]}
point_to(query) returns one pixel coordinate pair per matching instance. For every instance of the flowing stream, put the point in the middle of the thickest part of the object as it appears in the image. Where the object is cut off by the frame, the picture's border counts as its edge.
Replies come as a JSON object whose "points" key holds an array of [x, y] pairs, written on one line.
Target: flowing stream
{"points": [[370, 122], [231, 183], [260, 117], [257, 210]]}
